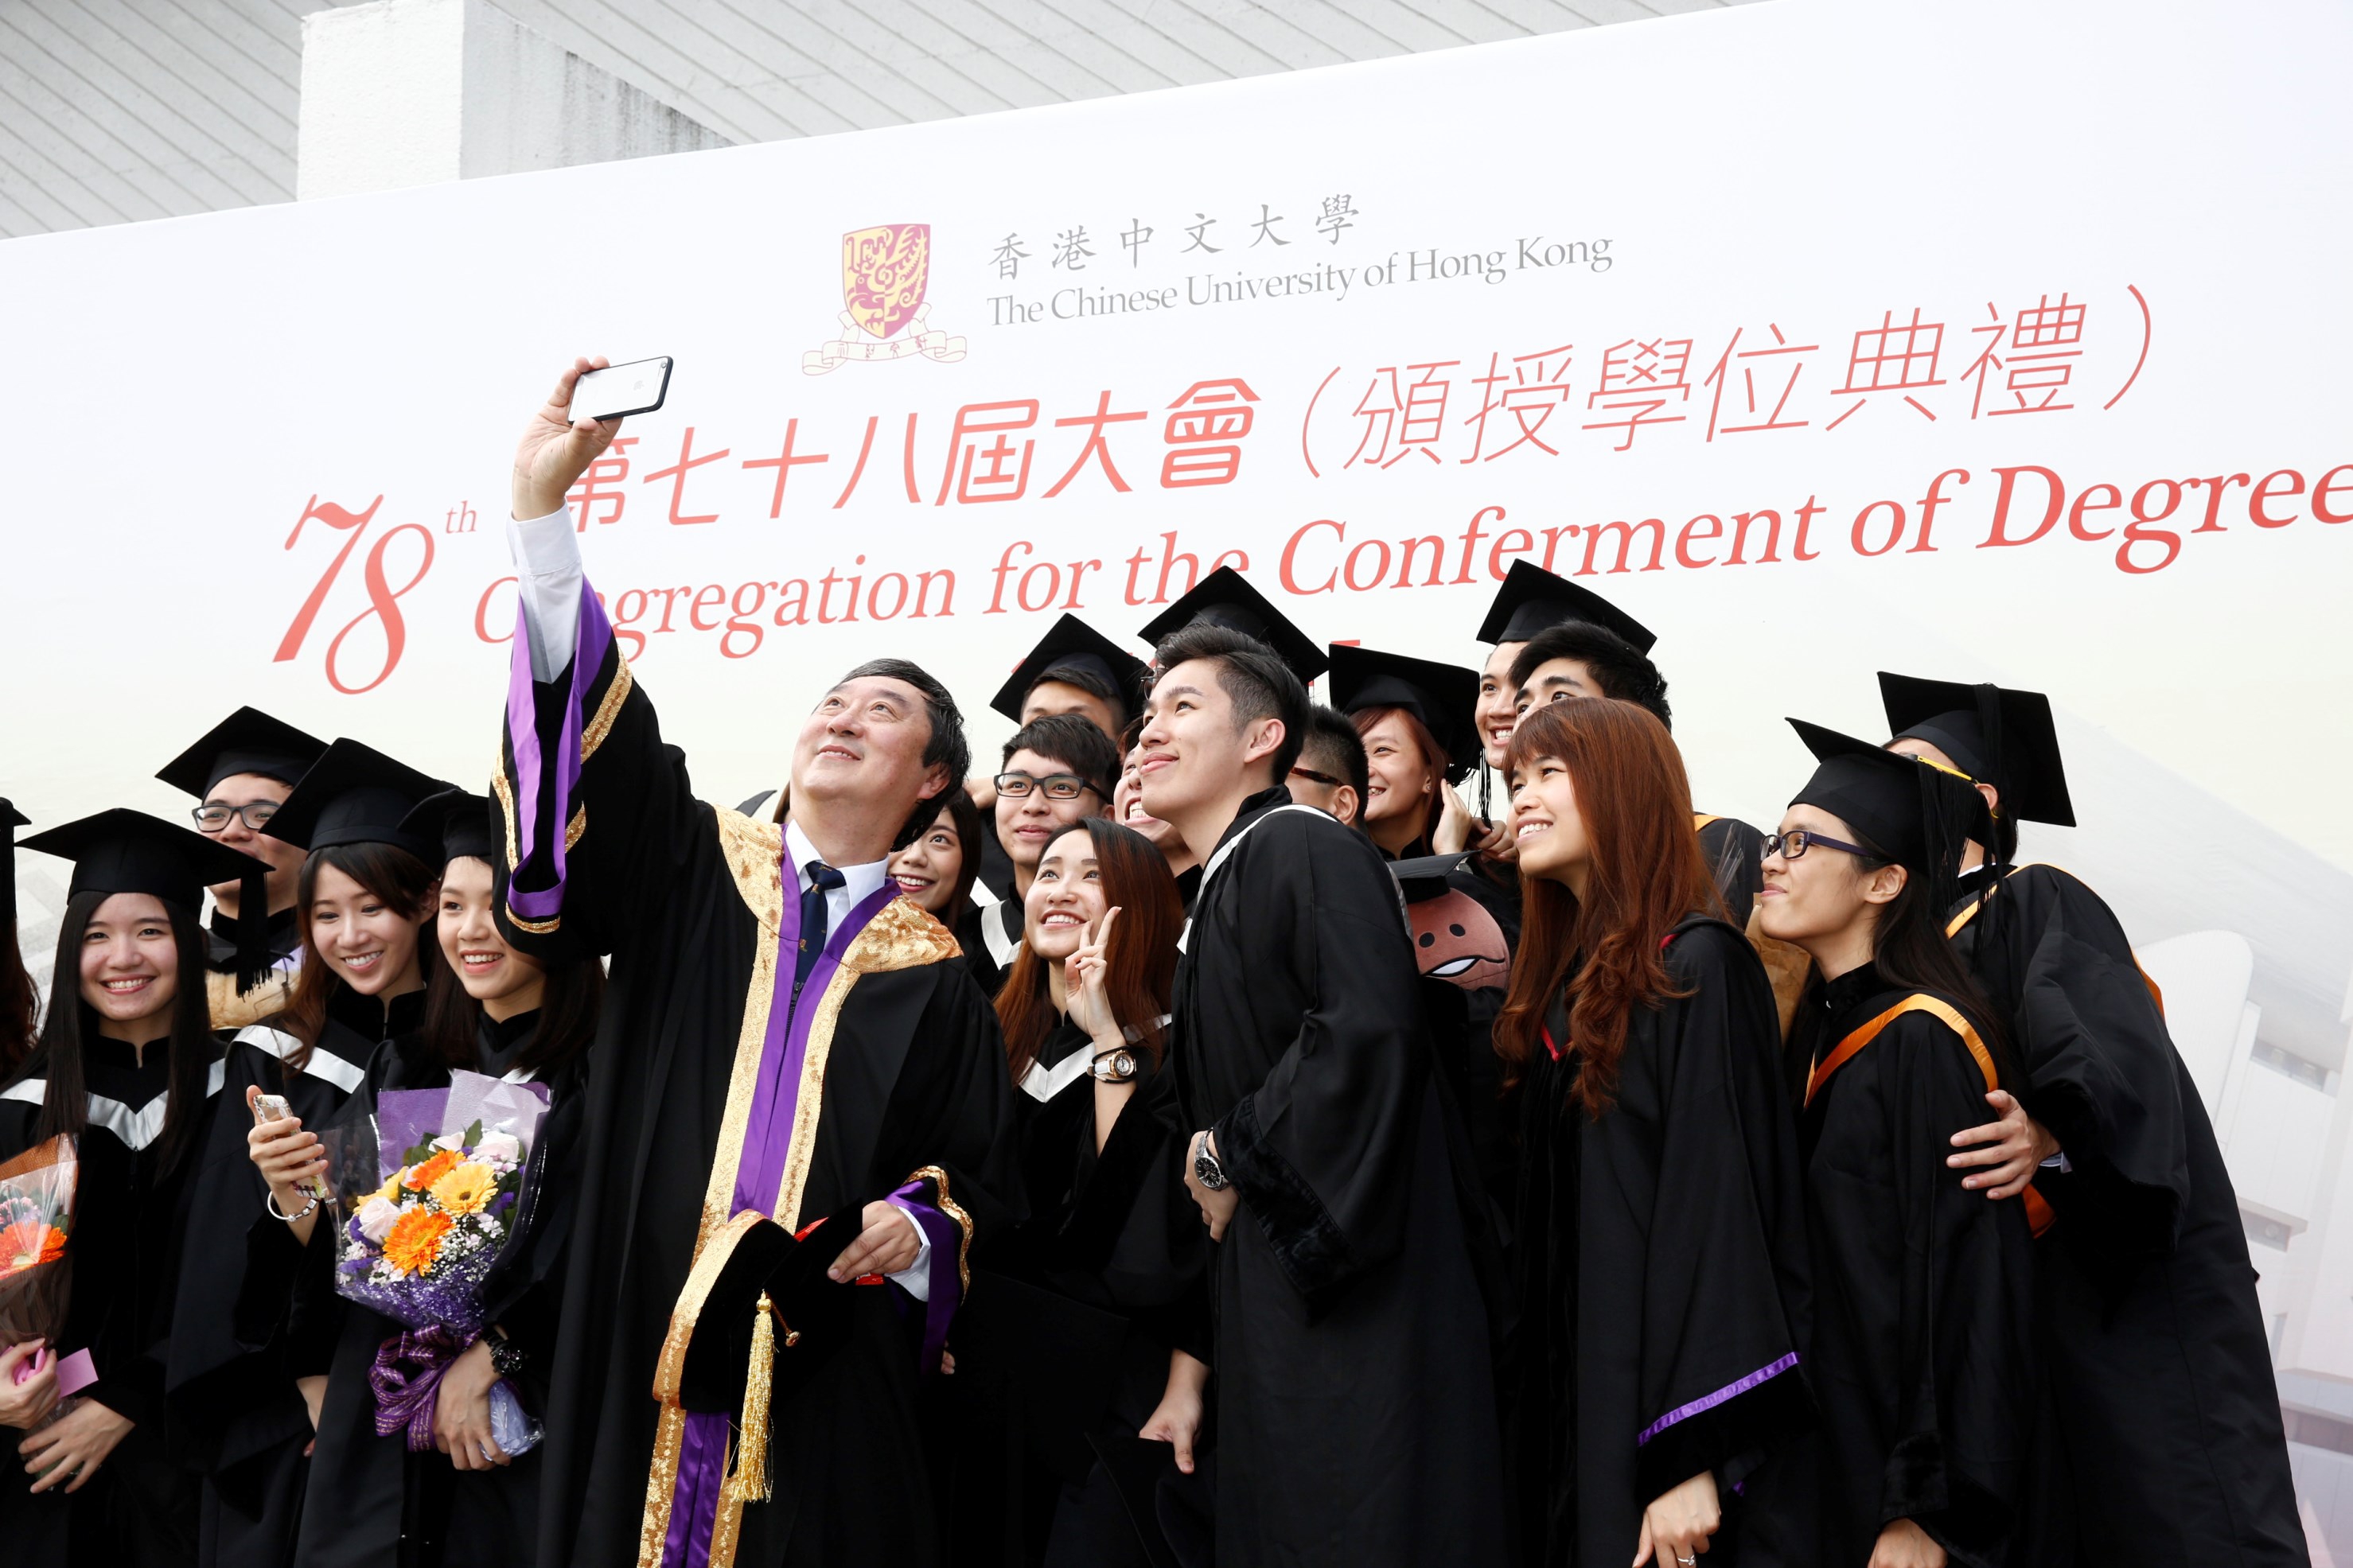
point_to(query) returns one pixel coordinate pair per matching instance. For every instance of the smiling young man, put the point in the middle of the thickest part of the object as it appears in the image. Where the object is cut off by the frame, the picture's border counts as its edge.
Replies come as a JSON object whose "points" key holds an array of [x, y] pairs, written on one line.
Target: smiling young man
{"points": [[1355, 1418], [783, 1042], [1059, 768], [239, 773]]}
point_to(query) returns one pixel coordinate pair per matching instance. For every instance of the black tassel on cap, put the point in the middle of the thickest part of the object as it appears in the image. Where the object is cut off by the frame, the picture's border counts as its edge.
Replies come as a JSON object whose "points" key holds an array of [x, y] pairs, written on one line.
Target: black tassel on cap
{"points": [[254, 960]]}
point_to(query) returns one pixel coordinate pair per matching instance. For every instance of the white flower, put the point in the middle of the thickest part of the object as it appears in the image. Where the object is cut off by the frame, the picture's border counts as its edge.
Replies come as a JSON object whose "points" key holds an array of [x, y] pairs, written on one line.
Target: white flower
{"points": [[503, 1147], [450, 1141], [375, 1217]]}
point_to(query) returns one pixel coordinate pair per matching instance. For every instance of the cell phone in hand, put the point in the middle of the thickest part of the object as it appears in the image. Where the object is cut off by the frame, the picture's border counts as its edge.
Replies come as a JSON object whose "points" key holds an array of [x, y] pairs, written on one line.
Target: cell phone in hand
{"points": [[268, 1108], [617, 390]]}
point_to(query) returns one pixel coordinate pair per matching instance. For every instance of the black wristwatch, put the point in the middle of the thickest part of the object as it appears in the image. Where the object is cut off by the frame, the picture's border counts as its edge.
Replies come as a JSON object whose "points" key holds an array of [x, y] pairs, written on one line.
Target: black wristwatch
{"points": [[1206, 1169], [506, 1356]]}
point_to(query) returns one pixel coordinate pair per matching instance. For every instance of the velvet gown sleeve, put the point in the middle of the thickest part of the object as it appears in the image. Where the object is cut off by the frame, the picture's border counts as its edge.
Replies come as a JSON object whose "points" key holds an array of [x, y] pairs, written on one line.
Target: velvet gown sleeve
{"points": [[597, 814], [1725, 1301], [1322, 1151], [947, 1141], [1932, 1397], [2098, 1058]]}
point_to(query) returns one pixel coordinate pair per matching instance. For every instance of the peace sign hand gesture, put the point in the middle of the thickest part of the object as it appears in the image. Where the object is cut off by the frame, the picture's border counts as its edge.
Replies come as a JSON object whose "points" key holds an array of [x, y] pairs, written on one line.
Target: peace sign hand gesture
{"points": [[1084, 976]]}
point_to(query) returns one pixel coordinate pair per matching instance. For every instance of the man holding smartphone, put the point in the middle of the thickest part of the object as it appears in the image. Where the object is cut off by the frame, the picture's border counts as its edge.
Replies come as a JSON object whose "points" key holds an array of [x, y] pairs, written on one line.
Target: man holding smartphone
{"points": [[783, 1045]]}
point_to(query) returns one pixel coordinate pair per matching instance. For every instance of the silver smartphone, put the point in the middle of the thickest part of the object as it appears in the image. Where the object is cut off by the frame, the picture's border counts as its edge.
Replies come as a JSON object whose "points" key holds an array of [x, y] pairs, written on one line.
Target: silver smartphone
{"points": [[268, 1108], [617, 390]]}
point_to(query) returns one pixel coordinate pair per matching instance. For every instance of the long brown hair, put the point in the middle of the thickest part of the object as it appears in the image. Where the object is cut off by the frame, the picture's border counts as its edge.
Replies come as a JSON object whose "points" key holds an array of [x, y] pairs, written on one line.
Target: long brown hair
{"points": [[1433, 757], [1647, 875], [391, 874], [1137, 881]]}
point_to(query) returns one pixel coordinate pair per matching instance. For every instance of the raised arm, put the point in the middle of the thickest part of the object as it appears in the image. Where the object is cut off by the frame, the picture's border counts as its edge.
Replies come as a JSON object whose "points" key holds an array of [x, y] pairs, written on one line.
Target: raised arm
{"points": [[597, 813]]}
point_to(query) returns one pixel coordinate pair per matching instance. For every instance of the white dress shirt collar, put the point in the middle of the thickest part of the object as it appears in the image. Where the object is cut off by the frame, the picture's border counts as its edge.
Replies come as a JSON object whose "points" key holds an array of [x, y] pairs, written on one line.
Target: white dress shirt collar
{"points": [[859, 883]]}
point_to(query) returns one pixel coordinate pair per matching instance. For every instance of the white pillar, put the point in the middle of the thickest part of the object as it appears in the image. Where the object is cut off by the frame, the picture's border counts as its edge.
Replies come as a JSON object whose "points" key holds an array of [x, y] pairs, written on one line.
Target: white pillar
{"points": [[414, 93]]}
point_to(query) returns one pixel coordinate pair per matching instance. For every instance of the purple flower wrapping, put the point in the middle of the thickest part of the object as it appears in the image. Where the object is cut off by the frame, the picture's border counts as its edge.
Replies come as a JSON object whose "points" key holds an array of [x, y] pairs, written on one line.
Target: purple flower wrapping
{"points": [[444, 1214]]}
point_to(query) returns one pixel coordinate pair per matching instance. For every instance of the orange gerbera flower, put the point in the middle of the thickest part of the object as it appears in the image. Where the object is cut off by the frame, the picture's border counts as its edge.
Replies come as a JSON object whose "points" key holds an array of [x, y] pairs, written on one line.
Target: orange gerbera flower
{"points": [[422, 1177], [415, 1242], [28, 1242]]}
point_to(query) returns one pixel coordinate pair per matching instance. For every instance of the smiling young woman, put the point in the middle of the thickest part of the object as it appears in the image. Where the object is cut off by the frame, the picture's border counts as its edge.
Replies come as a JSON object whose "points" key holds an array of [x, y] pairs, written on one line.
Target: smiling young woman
{"points": [[1100, 1263], [1661, 1257], [1927, 1362], [121, 1067], [490, 1008], [363, 904]]}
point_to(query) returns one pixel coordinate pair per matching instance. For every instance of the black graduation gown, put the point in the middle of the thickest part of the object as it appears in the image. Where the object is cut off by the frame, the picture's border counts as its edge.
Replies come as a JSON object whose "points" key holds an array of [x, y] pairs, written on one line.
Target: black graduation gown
{"points": [[1923, 1358], [2158, 1360], [129, 1215], [494, 1515], [1189, 886], [1660, 1278], [231, 1374], [372, 1502], [1357, 1422], [972, 939], [674, 890], [1734, 853], [1067, 1339]]}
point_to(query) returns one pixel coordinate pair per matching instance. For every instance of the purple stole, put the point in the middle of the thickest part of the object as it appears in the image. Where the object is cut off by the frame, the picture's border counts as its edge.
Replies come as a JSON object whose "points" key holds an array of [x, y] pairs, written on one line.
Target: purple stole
{"points": [[767, 1135], [694, 1499]]}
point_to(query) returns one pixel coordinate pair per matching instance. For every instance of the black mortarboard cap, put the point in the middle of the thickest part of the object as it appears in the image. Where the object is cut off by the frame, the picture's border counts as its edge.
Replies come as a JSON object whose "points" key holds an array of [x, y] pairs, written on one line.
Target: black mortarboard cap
{"points": [[1225, 598], [459, 822], [1074, 644], [1998, 736], [11, 819], [1444, 696], [247, 742], [1426, 877], [1533, 600], [356, 794], [1921, 815], [122, 851]]}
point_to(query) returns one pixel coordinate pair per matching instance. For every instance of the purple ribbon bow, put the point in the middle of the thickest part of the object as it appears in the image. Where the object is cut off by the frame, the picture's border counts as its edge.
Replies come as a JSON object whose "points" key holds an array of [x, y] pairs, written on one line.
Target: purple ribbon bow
{"points": [[406, 1378]]}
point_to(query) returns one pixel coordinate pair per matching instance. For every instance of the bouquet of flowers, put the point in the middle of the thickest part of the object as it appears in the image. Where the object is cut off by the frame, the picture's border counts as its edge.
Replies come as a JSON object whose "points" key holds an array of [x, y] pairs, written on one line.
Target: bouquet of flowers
{"points": [[36, 1208], [426, 1194]]}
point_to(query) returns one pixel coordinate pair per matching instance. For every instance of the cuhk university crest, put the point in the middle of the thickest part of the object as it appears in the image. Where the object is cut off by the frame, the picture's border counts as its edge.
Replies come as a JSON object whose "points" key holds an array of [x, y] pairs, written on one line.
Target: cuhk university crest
{"points": [[884, 272]]}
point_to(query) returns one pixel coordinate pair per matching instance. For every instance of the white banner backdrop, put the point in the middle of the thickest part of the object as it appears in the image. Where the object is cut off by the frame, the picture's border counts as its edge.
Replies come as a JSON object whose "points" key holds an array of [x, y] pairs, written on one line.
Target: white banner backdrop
{"points": [[1984, 340]]}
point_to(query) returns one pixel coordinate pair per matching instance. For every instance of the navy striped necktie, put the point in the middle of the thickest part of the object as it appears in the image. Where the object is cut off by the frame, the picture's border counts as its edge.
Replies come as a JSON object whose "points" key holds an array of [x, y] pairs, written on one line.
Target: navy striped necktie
{"points": [[814, 920]]}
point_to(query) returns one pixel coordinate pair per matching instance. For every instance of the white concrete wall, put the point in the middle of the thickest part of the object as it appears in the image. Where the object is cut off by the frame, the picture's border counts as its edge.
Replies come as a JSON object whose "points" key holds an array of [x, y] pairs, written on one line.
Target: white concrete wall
{"points": [[414, 93]]}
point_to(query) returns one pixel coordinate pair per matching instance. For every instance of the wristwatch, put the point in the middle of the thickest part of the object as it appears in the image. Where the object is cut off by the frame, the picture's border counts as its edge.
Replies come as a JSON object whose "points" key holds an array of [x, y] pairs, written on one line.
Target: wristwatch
{"points": [[1206, 1169], [1111, 1066], [506, 1356]]}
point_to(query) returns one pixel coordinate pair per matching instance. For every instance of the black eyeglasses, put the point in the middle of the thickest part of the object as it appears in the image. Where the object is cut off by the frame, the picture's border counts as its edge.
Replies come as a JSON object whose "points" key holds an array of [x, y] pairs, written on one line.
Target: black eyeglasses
{"points": [[1058, 786], [1312, 776], [1793, 845], [213, 817]]}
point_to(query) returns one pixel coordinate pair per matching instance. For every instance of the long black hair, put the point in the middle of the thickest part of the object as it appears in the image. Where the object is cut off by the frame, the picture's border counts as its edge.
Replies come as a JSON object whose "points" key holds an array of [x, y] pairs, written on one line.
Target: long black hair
{"points": [[64, 1105], [20, 1005], [390, 873], [1908, 945], [573, 991]]}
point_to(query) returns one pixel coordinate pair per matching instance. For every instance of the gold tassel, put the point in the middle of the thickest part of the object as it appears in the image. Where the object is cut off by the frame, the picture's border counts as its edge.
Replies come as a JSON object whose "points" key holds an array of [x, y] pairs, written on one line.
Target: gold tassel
{"points": [[750, 1482]]}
